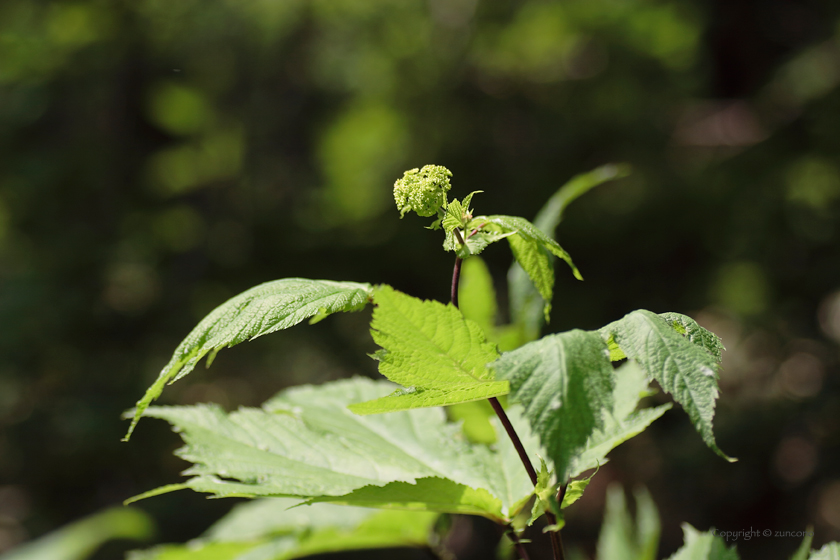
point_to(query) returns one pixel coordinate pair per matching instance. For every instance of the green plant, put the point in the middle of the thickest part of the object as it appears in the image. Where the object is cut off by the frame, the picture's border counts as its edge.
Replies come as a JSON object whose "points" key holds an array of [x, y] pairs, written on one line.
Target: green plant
{"points": [[367, 443]]}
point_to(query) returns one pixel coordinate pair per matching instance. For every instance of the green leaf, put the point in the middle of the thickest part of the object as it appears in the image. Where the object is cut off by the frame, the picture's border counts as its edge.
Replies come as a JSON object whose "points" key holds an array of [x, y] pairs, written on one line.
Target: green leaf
{"points": [[830, 551], [703, 546], [261, 310], [696, 334], [683, 366], [536, 262], [527, 308], [551, 214], [620, 537], [529, 247], [268, 529], [527, 231], [432, 350], [565, 382], [305, 443], [80, 540], [545, 493]]}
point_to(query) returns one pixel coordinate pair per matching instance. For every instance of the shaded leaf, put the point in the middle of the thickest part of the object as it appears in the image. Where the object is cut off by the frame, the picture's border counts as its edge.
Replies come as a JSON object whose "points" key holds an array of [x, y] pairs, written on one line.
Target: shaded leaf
{"points": [[432, 350], [79, 540], [564, 382], [683, 366], [268, 529], [620, 537], [621, 421], [261, 310]]}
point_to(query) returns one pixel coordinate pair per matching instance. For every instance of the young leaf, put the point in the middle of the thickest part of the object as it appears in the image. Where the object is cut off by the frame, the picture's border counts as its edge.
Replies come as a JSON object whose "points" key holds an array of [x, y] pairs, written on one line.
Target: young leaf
{"points": [[80, 540], [703, 546], [429, 348], [261, 310], [536, 262], [683, 366], [564, 382], [527, 308], [304, 443], [268, 528], [527, 231], [531, 248]]}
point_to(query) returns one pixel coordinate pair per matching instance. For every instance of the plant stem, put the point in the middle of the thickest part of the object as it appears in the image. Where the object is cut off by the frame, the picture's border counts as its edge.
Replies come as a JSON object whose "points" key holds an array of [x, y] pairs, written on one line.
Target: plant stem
{"points": [[514, 437], [556, 542], [456, 277], [520, 548]]}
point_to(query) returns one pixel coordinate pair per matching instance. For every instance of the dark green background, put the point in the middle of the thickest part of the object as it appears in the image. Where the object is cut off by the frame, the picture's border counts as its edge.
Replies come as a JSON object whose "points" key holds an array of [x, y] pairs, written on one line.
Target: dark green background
{"points": [[159, 156]]}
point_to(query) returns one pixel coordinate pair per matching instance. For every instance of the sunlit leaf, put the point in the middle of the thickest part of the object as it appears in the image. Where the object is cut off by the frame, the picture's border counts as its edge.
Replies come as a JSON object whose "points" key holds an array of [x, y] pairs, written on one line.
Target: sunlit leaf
{"points": [[433, 351], [305, 443], [261, 310]]}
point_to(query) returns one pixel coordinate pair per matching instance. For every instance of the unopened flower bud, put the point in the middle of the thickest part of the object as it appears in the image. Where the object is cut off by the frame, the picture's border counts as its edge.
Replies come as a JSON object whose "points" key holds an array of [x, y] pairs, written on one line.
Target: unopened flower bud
{"points": [[422, 190]]}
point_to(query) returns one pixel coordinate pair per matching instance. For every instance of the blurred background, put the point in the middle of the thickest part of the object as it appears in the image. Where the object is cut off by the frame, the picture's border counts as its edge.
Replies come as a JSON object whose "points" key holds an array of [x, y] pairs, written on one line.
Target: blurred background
{"points": [[158, 157]]}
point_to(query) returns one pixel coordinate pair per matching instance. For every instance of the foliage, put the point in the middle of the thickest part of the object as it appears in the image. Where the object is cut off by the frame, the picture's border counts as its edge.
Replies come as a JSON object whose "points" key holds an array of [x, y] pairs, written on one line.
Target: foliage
{"points": [[622, 538], [328, 444], [273, 528], [81, 539]]}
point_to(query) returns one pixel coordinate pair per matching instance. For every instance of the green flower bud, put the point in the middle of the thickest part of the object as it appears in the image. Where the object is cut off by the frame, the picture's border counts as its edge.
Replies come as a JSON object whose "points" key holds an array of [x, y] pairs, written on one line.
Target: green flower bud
{"points": [[422, 190]]}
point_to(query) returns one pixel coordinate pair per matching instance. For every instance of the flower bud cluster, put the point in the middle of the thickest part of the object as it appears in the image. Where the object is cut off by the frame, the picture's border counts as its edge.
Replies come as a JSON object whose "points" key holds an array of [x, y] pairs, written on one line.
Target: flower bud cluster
{"points": [[422, 190]]}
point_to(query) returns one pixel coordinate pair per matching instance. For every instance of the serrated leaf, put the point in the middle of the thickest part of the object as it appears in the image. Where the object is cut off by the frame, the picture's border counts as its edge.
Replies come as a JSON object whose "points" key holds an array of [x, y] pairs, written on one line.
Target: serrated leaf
{"points": [[683, 367], [261, 310], [564, 383], [531, 248], [527, 231], [432, 350], [620, 537], [696, 334], [268, 529], [80, 539], [305, 443], [536, 262], [545, 495], [703, 546], [527, 307]]}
